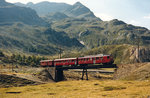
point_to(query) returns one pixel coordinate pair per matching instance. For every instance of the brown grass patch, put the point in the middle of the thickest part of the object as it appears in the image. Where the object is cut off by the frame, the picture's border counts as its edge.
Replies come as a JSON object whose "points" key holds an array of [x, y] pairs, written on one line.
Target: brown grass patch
{"points": [[110, 88]]}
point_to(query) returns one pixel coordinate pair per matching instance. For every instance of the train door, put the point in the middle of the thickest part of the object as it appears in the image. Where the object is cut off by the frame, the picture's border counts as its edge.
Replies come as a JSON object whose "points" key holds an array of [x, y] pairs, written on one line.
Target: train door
{"points": [[75, 62], [94, 61]]}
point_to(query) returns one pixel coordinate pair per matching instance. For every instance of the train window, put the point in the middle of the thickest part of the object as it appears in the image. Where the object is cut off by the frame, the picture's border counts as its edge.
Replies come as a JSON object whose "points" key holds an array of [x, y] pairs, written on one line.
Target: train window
{"points": [[107, 57], [101, 58], [97, 58], [84, 59], [72, 60]]}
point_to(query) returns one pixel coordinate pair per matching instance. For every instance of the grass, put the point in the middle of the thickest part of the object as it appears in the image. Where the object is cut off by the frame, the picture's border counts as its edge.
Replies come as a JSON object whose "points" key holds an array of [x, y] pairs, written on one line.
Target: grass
{"points": [[76, 88], [110, 88], [80, 89]]}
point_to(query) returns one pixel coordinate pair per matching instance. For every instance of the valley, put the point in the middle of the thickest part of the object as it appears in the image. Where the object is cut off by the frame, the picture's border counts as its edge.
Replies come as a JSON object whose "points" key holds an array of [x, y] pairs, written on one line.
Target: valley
{"points": [[46, 30]]}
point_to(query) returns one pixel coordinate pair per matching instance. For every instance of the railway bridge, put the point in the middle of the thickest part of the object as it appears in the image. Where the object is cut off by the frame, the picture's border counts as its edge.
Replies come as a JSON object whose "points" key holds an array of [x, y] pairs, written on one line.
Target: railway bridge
{"points": [[58, 75]]}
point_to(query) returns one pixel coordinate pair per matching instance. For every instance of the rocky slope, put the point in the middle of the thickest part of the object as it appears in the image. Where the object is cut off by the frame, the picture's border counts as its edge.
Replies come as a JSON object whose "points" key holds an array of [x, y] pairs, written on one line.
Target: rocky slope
{"points": [[137, 71]]}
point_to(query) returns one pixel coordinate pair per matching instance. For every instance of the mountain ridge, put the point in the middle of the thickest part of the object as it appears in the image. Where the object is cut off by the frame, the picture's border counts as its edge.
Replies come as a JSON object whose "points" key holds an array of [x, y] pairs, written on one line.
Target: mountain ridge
{"points": [[4, 3], [12, 13], [77, 10], [45, 7]]}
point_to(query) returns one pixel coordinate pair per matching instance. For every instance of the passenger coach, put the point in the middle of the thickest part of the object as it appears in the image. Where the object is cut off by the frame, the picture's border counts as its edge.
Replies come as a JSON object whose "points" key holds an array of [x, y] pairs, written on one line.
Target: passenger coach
{"points": [[95, 59]]}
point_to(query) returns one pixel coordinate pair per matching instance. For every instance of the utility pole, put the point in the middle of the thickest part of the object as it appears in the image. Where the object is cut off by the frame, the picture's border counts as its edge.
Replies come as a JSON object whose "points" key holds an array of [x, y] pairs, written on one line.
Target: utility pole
{"points": [[138, 46], [60, 50]]}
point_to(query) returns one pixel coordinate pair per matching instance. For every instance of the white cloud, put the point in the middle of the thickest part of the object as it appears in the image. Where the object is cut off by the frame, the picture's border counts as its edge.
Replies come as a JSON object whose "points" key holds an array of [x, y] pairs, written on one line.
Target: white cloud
{"points": [[147, 17], [104, 16]]}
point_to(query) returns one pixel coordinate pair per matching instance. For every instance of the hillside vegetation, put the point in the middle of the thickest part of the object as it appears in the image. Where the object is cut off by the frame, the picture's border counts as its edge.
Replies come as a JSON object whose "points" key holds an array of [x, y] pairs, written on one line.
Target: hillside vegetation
{"points": [[35, 39], [124, 54], [94, 33]]}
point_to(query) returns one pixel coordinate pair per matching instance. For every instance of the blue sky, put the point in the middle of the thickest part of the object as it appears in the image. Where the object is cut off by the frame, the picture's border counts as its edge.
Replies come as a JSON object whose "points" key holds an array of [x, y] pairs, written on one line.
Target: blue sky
{"points": [[136, 12]]}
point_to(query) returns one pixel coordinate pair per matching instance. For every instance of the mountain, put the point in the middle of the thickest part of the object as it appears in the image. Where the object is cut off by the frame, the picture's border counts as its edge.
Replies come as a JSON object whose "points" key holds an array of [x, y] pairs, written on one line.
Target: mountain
{"points": [[55, 16], [12, 13], [3, 3], [21, 29], [44, 8], [78, 10], [93, 33], [73, 24], [35, 39]]}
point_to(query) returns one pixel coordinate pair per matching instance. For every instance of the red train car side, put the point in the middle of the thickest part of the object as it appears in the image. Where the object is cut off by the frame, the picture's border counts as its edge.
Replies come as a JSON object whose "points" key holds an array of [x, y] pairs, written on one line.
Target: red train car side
{"points": [[66, 61], [104, 59], [46, 63], [96, 59]]}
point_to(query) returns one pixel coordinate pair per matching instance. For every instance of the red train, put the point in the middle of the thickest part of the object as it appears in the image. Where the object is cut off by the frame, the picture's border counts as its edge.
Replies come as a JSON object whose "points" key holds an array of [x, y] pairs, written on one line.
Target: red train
{"points": [[97, 59]]}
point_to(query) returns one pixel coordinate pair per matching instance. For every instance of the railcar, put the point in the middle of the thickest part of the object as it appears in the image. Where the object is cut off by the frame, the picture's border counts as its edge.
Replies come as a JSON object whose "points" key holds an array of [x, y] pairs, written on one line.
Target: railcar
{"points": [[95, 59], [46, 63], [98, 59], [66, 61]]}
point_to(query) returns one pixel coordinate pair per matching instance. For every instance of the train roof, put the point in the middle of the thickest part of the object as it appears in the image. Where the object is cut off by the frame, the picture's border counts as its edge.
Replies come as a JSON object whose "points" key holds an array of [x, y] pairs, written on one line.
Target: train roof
{"points": [[45, 60], [64, 59], [90, 56]]}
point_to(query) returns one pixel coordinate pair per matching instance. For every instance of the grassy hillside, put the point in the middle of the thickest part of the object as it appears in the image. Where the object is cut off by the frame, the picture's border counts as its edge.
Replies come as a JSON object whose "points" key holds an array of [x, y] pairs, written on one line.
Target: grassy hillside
{"points": [[35, 39]]}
